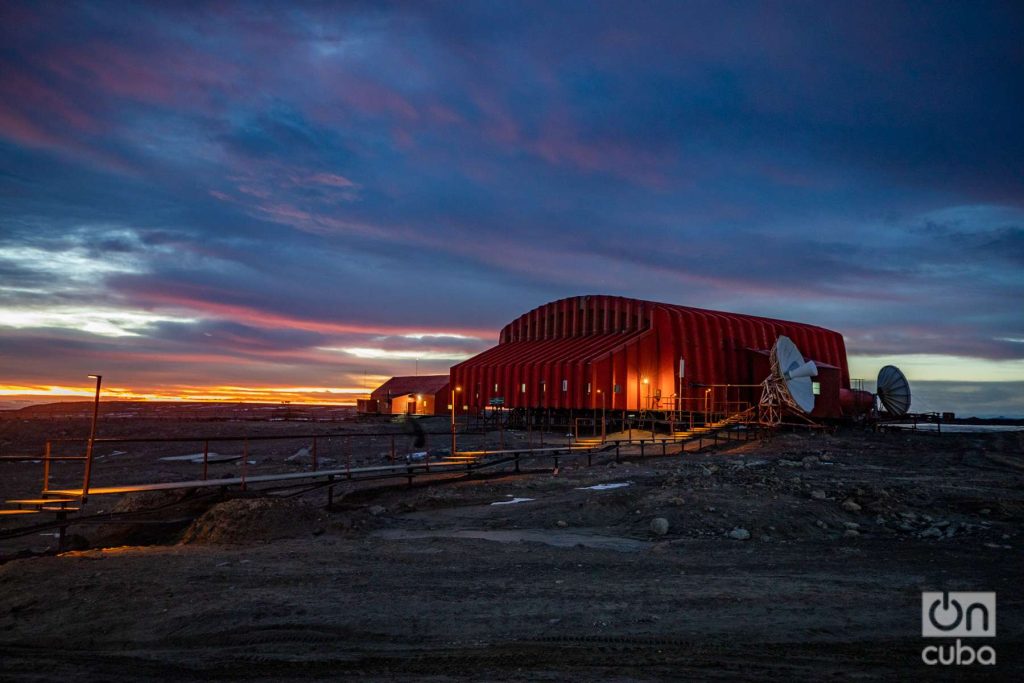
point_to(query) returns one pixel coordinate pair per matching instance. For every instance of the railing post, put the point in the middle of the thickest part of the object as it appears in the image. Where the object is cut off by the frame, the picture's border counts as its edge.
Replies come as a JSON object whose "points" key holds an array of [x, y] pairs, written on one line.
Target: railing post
{"points": [[206, 458], [245, 460], [46, 468]]}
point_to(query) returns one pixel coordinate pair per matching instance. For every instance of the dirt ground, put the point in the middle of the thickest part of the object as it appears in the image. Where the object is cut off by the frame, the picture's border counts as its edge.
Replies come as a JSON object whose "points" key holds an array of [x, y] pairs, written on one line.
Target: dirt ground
{"points": [[800, 557]]}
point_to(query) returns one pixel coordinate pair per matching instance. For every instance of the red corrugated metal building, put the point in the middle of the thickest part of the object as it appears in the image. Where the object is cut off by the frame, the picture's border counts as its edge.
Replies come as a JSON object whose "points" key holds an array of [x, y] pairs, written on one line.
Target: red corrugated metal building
{"points": [[578, 352]]}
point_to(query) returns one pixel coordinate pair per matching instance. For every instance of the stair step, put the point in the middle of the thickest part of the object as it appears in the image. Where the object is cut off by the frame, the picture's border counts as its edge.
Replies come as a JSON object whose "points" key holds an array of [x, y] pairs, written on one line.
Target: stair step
{"points": [[18, 512], [58, 508]]}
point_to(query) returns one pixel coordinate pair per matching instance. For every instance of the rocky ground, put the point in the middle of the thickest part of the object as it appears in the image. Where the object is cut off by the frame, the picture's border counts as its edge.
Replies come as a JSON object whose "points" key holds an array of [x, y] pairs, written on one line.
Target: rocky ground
{"points": [[803, 556]]}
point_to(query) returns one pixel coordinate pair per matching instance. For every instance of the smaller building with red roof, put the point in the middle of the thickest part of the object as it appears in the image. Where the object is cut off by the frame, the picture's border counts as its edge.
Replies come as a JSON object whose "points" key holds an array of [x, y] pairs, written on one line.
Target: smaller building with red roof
{"points": [[415, 395]]}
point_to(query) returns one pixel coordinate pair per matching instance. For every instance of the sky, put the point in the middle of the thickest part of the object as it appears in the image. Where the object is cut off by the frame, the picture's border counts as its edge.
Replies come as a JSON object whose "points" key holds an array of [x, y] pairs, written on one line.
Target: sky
{"points": [[297, 200]]}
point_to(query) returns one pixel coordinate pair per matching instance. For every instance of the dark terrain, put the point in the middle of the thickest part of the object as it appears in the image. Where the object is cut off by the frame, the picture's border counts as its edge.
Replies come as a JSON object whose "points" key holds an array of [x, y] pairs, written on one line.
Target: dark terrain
{"points": [[800, 557]]}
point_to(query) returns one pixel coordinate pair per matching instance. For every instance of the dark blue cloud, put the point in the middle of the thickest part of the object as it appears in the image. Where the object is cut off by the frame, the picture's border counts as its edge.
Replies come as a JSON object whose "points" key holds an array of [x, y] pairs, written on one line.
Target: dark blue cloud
{"points": [[293, 178]]}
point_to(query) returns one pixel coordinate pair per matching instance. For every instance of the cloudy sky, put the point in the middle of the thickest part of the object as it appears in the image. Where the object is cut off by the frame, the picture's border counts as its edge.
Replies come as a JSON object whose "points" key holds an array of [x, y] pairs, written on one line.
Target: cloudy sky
{"points": [[280, 200]]}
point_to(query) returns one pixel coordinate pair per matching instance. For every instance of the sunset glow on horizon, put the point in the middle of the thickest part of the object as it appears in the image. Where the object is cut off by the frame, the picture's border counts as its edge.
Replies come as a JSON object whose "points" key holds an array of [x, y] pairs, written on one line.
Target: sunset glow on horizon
{"points": [[342, 396]]}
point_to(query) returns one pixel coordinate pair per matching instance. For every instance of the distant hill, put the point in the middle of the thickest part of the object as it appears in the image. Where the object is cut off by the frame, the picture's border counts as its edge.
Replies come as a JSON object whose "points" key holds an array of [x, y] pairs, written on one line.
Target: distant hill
{"points": [[177, 410]]}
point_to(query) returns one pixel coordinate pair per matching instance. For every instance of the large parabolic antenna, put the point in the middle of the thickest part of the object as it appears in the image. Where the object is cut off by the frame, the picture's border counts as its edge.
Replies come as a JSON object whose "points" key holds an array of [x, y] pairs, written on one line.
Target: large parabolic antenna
{"points": [[796, 373], [789, 383], [893, 390]]}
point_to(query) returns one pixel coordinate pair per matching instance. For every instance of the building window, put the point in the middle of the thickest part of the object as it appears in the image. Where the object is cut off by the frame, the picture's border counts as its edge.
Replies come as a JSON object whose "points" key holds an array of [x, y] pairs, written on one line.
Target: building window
{"points": [[816, 388], [565, 385], [522, 388]]}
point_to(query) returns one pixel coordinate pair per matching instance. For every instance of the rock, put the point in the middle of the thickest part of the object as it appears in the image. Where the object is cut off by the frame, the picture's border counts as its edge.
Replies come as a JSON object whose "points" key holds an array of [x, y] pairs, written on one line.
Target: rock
{"points": [[931, 532], [561, 523], [985, 511], [941, 524], [739, 533], [821, 524], [659, 526], [301, 455], [765, 538], [950, 531], [677, 501], [850, 506], [810, 460], [376, 510], [906, 527], [818, 494], [851, 533], [851, 525]]}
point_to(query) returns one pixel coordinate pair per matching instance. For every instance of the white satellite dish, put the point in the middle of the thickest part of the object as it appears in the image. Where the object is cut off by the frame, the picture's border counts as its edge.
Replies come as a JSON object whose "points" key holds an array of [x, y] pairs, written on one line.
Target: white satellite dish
{"points": [[893, 390], [788, 384], [795, 373]]}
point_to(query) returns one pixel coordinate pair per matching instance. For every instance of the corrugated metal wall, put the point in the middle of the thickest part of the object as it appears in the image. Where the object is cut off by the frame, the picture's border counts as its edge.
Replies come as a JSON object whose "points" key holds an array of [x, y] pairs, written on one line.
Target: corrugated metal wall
{"points": [[571, 352]]}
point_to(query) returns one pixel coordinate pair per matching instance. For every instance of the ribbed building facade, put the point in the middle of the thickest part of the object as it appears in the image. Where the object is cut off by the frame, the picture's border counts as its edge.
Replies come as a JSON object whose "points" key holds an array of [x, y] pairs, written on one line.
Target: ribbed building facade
{"points": [[586, 352]]}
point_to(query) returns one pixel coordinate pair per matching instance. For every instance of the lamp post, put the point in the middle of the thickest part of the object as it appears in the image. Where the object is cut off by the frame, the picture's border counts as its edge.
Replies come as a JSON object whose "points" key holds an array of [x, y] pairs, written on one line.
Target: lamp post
{"points": [[707, 406], [454, 389], [92, 439]]}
